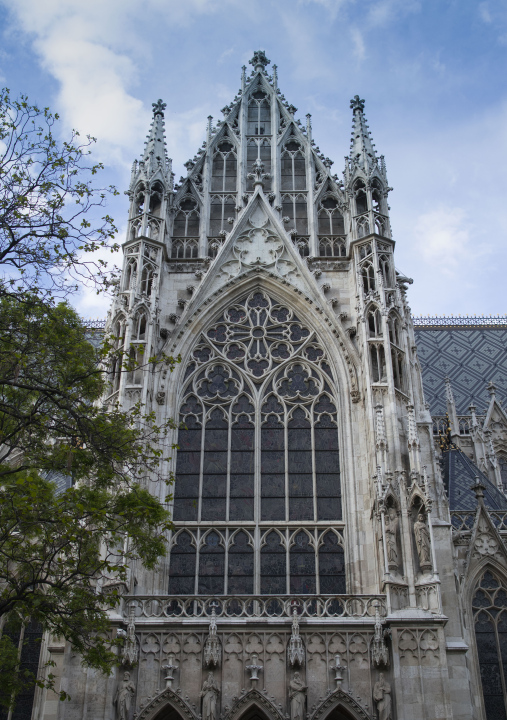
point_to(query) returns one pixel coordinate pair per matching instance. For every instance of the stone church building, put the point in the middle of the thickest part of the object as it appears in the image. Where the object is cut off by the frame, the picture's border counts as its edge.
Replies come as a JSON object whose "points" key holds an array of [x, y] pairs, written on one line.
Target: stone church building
{"points": [[339, 544]]}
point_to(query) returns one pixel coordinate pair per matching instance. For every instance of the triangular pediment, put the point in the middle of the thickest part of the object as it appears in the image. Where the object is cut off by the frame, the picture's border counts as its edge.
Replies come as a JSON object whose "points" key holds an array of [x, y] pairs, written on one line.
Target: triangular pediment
{"points": [[259, 242], [486, 545]]}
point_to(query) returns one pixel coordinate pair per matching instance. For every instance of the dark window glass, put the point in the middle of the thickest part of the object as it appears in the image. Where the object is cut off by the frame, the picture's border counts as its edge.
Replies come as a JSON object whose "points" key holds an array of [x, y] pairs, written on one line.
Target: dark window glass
{"points": [[273, 566], [331, 566], [302, 566], [211, 566], [182, 566], [241, 566], [490, 613]]}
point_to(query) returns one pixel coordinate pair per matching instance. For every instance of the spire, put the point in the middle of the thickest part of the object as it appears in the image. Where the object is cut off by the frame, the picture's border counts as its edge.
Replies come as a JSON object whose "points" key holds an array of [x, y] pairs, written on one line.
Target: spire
{"points": [[361, 147], [155, 151], [451, 408]]}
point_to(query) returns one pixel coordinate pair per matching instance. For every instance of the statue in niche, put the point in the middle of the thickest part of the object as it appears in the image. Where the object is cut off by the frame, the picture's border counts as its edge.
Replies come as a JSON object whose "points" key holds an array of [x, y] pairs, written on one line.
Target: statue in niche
{"points": [[297, 697], [382, 697], [123, 698], [209, 695], [423, 542], [391, 526]]}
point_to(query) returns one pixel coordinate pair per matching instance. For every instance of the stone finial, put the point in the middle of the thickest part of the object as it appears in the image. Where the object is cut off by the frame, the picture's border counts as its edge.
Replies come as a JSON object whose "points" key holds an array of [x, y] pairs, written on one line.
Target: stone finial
{"points": [[254, 668], [491, 388], [478, 489], [258, 175], [357, 104], [159, 107], [259, 60]]}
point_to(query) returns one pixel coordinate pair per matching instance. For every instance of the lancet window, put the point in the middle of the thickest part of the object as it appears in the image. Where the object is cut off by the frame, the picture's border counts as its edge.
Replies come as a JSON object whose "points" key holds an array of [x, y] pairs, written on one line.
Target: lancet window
{"points": [[295, 208], [259, 114], [397, 354], [360, 197], [489, 607], [186, 221], [222, 207], [156, 196], [224, 170], [136, 351], [130, 273], [259, 446], [368, 277], [384, 263], [293, 167], [374, 323]]}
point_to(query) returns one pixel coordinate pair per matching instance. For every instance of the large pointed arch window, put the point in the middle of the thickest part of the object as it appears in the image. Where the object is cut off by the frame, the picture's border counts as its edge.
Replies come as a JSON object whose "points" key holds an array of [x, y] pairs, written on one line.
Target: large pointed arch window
{"points": [[258, 448], [489, 606]]}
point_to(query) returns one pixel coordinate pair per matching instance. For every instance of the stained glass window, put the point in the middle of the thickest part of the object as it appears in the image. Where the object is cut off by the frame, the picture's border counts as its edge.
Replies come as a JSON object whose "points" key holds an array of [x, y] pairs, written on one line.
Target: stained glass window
{"points": [[258, 445], [490, 615]]}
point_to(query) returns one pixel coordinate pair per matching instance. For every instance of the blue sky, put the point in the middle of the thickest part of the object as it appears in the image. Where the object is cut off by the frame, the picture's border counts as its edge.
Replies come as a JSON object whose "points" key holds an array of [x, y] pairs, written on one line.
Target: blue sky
{"points": [[432, 72]]}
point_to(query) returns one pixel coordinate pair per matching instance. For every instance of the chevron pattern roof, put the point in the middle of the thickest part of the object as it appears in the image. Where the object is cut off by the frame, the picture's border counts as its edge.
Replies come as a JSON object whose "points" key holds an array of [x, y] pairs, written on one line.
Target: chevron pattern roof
{"points": [[470, 358]]}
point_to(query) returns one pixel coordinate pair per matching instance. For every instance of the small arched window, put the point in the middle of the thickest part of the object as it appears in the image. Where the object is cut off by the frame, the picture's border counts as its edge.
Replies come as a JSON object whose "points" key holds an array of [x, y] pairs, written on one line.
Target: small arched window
{"points": [[118, 346], [398, 367], [360, 197], [139, 199], [384, 264], [139, 328], [378, 362], [374, 323], [259, 114], [394, 330], [224, 171], [273, 565], [363, 227], [293, 167], [368, 276], [330, 225], [186, 221], [295, 208], [147, 279], [222, 208], [130, 271]]}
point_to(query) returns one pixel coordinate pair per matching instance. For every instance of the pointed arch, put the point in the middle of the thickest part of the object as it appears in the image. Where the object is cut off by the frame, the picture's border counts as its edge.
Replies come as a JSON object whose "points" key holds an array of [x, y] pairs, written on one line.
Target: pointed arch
{"points": [[167, 705], [254, 704], [339, 705]]}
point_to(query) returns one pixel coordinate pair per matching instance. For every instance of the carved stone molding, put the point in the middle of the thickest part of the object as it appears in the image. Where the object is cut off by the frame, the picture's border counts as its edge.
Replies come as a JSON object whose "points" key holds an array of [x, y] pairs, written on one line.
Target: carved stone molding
{"points": [[340, 699], [165, 698], [251, 698]]}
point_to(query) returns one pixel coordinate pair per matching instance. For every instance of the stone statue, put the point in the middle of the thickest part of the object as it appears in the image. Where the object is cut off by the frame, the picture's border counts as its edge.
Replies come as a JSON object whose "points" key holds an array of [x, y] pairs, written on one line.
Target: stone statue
{"points": [[297, 697], [423, 542], [209, 694], [382, 697], [124, 694], [391, 525]]}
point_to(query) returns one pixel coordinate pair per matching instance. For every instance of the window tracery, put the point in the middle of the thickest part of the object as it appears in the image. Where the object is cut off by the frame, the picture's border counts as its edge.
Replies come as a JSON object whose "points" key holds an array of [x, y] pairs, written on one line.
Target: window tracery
{"points": [[224, 170], [222, 207], [293, 167], [259, 114], [259, 443], [489, 607], [258, 148], [186, 221], [294, 207], [331, 228]]}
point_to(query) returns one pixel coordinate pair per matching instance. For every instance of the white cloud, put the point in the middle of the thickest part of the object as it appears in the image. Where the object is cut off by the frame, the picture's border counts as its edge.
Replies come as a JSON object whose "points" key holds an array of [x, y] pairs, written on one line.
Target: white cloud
{"points": [[359, 45], [485, 13], [442, 237]]}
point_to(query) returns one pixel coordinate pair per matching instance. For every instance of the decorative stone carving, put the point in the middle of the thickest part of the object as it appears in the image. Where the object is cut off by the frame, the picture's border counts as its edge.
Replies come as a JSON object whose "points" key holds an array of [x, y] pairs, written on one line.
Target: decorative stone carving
{"points": [[391, 526], [123, 698], [297, 697], [382, 697], [379, 651], [338, 669], [169, 669], [130, 652], [212, 644], [254, 668], [209, 694], [295, 649], [423, 543]]}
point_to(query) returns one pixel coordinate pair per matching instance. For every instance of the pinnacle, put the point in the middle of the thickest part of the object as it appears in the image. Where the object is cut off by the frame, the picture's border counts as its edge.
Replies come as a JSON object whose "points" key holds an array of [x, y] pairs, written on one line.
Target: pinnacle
{"points": [[362, 149]]}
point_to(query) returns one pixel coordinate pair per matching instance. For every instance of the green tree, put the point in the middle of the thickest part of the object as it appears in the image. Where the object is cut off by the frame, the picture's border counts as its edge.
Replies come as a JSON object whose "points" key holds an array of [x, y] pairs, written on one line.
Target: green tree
{"points": [[55, 546], [51, 213], [58, 545]]}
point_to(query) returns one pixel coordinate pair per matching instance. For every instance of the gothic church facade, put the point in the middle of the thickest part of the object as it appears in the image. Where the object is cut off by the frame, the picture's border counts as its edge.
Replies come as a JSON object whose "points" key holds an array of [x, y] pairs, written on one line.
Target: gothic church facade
{"points": [[318, 568]]}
